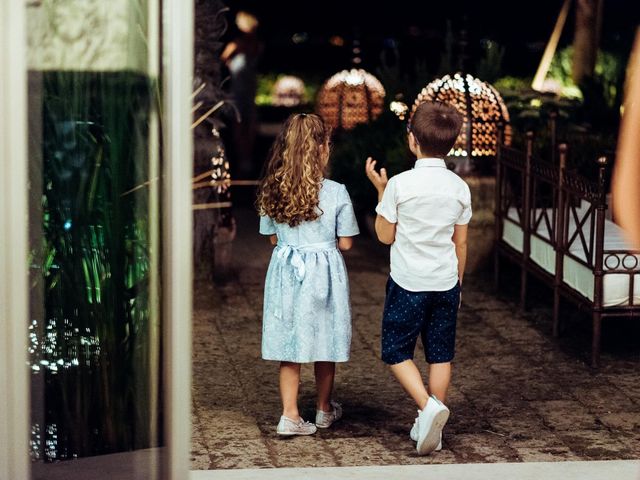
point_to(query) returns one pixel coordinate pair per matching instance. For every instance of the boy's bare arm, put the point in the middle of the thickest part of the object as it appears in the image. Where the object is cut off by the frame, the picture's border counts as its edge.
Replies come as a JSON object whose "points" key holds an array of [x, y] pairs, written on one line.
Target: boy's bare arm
{"points": [[460, 241], [385, 230]]}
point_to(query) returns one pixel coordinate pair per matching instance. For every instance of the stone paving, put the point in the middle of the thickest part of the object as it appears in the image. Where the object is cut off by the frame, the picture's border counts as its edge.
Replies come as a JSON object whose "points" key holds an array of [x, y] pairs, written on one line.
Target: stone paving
{"points": [[518, 394]]}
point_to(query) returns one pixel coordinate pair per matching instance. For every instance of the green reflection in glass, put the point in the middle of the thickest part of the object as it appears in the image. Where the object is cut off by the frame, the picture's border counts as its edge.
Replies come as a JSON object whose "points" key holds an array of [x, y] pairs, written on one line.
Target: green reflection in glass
{"points": [[97, 343]]}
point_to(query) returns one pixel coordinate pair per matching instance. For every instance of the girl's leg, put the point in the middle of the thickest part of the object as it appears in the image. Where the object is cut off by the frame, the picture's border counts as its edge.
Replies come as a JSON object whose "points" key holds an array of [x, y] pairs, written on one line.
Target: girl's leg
{"points": [[289, 383], [325, 373], [439, 379], [411, 380]]}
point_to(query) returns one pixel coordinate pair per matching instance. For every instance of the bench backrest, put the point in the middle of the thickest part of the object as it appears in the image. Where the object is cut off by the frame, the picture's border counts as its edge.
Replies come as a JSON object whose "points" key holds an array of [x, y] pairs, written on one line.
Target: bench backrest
{"points": [[561, 207]]}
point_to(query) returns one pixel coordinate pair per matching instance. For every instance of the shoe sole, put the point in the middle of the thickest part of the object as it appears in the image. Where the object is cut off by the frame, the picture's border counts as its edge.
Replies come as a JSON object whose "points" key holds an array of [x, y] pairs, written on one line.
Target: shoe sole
{"points": [[327, 425], [318, 425], [432, 438], [293, 434]]}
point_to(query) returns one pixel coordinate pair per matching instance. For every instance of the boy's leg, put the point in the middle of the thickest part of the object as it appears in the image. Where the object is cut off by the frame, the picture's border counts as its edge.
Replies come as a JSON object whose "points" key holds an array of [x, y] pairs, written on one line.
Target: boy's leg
{"points": [[402, 323], [325, 373], [439, 338], [289, 383], [411, 380], [439, 380]]}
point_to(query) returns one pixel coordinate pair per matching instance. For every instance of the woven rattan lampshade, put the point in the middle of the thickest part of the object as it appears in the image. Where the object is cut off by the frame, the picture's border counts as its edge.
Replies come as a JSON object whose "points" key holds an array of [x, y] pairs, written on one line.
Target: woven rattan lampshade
{"points": [[288, 91], [482, 108], [349, 98]]}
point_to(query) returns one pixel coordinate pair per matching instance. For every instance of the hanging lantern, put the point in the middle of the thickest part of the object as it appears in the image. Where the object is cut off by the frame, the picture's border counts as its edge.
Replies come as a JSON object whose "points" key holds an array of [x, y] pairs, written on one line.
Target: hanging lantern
{"points": [[349, 98], [288, 91], [481, 107]]}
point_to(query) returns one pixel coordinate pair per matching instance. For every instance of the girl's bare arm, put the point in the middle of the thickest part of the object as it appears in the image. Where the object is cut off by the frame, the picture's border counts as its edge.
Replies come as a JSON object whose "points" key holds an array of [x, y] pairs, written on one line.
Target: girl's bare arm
{"points": [[345, 243]]}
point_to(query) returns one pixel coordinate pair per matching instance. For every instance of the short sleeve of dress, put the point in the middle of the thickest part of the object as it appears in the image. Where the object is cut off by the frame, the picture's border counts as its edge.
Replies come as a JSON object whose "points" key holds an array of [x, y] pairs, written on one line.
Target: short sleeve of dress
{"points": [[465, 215], [346, 223], [388, 207], [267, 226]]}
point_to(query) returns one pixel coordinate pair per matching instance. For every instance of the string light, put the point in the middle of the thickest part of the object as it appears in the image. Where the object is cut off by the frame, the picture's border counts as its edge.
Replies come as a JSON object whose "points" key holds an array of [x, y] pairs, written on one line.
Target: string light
{"points": [[220, 174], [399, 108]]}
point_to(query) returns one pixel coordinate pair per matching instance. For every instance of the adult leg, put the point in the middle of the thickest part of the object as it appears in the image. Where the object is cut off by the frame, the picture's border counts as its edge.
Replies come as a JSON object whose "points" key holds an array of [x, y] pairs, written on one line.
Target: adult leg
{"points": [[325, 374], [289, 384]]}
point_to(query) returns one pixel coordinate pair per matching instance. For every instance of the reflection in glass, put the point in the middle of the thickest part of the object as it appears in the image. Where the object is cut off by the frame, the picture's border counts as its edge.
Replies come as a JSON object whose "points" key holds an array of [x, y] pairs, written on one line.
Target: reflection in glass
{"points": [[95, 323]]}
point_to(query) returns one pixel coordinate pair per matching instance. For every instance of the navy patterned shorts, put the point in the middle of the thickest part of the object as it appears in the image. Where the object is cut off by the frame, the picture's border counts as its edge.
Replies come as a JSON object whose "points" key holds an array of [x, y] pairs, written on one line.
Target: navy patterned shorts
{"points": [[432, 315]]}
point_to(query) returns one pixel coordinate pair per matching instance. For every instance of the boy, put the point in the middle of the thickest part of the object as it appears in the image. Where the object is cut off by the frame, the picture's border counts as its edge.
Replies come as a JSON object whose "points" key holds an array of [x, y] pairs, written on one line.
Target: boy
{"points": [[423, 214]]}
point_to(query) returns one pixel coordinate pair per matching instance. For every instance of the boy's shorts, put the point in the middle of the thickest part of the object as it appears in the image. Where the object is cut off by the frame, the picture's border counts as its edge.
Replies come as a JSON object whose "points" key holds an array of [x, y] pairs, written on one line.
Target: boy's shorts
{"points": [[408, 314]]}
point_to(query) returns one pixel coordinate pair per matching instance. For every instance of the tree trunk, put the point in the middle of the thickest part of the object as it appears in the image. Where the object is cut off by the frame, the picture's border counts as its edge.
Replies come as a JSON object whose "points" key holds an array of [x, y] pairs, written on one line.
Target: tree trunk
{"points": [[586, 38]]}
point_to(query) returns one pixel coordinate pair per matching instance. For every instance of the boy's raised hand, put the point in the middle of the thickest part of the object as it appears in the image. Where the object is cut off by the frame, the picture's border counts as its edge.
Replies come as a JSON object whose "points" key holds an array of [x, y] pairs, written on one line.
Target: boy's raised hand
{"points": [[379, 180]]}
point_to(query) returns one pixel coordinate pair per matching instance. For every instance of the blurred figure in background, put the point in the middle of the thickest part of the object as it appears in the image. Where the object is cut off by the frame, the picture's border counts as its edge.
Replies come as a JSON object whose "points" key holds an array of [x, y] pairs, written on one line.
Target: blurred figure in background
{"points": [[241, 58], [626, 179]]}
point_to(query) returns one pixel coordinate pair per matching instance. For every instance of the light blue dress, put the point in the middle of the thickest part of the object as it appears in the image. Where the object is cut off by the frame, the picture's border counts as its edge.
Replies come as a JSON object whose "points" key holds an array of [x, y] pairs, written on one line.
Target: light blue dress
{"points": [[307, 313]]}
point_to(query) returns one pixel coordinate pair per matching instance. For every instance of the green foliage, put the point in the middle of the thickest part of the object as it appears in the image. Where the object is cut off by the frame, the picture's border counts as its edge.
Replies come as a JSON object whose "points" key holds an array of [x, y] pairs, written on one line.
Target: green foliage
{"points": [[389, 73], [490, 65], [400, 85], [608, 75], [512, 85], [385, 139], [98, 334], [266, 81], [560, 72], [588, 116], [593, 106], [265, 87]]}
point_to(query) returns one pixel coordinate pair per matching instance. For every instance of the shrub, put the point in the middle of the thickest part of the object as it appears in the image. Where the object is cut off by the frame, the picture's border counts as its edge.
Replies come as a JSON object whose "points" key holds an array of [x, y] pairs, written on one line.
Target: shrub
{"points": [[385, 140]]}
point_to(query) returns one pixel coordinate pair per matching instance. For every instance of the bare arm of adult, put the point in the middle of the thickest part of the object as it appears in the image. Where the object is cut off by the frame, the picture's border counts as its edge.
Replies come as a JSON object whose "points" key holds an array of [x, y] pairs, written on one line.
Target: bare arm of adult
{"points": [[626, 178], [228, 52], [345, 243], [385, 230], [273, 239], [460, 241]]}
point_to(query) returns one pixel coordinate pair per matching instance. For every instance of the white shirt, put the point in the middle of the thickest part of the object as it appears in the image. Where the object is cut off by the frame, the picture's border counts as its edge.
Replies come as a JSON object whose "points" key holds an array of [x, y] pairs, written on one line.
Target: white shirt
{"points": [[425, 203]]}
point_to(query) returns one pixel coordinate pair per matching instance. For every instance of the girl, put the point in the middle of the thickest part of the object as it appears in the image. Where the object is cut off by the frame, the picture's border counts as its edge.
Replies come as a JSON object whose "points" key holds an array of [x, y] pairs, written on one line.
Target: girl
{"points": [[307, 315]]}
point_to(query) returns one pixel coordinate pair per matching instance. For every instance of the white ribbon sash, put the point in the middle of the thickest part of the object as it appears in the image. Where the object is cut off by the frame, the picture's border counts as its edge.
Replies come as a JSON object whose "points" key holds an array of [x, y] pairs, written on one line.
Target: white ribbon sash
{"points": [[293, 255]]}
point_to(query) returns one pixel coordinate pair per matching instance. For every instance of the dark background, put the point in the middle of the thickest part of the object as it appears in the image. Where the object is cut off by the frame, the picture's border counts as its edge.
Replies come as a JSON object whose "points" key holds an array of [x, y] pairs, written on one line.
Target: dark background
{"points": [[417, 29]]}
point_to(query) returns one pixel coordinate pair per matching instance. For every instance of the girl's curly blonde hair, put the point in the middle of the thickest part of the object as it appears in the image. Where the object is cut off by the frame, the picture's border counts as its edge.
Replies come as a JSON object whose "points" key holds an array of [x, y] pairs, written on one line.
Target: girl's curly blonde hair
{"points": [[291, 185]]}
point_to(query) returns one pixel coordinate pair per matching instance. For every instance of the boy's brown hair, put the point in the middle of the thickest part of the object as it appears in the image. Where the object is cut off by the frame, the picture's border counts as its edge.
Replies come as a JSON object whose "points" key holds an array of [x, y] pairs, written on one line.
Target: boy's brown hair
{"points": [[436, 127]]}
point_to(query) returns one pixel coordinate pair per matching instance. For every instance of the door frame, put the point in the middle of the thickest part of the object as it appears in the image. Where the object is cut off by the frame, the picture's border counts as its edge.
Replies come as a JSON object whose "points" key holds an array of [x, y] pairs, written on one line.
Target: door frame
{"points": [[176, 61], [177, 221], [14, 287]]}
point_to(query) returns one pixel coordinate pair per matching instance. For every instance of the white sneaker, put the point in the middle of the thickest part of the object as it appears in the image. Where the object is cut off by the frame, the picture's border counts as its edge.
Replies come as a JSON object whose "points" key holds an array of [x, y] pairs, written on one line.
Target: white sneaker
{"points": [[431, 420], [413, 434], [326, 419], [287, 427]]}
